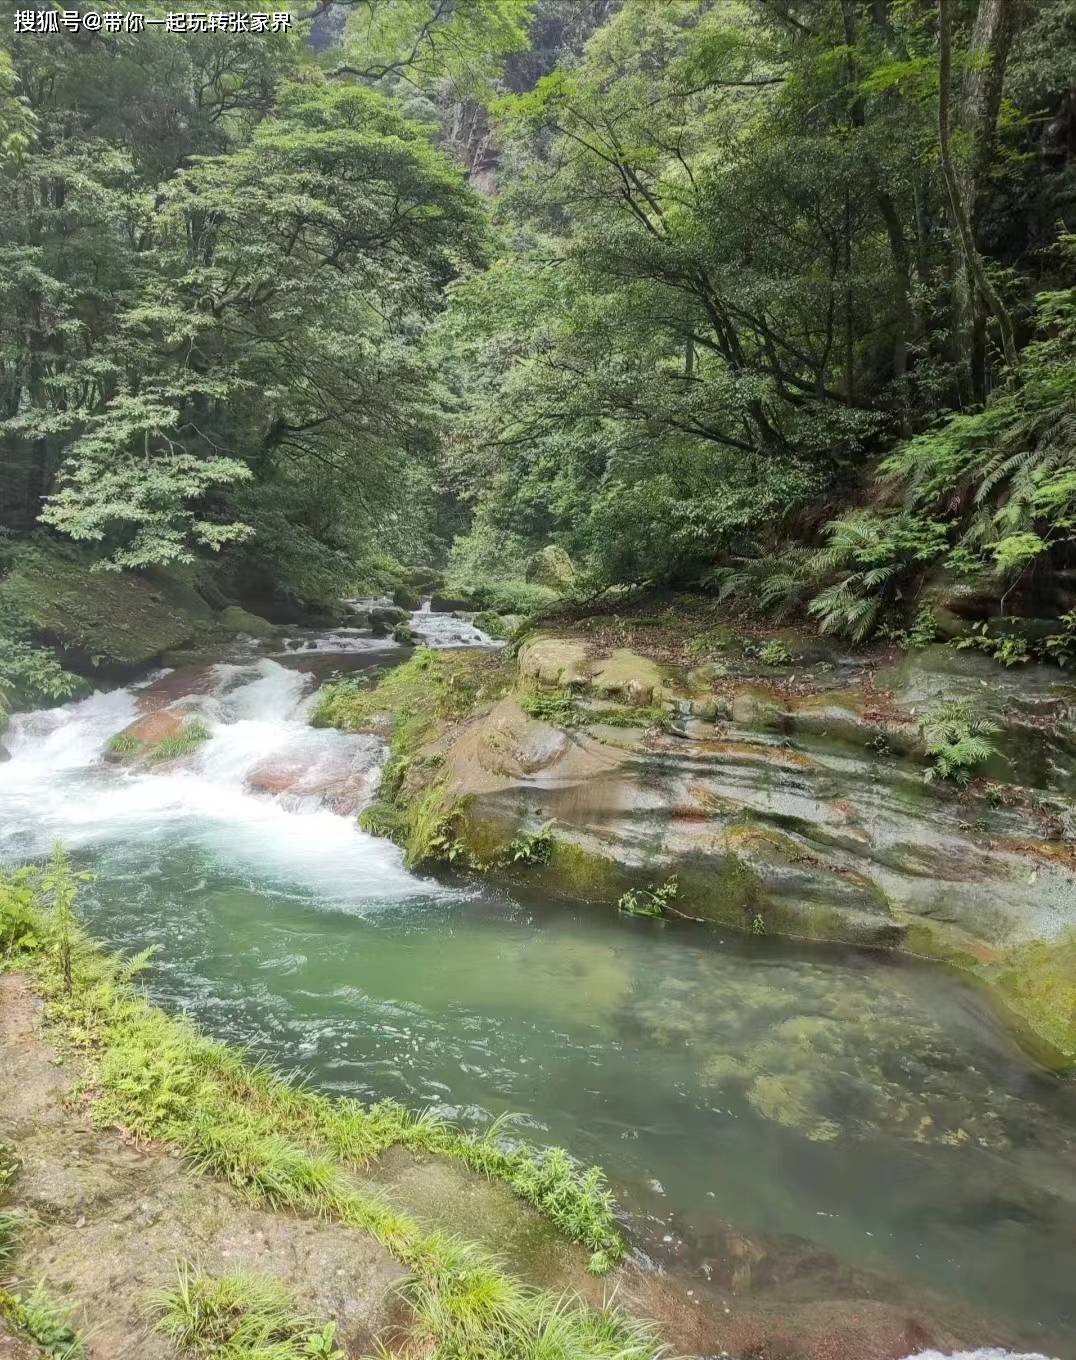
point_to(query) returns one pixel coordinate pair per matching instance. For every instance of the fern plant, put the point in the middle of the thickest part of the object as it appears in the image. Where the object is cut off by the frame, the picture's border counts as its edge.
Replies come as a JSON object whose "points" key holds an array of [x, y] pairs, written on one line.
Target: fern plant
{"points": [[779, 584], [1008, 471], [957, 741], [875, 557]]}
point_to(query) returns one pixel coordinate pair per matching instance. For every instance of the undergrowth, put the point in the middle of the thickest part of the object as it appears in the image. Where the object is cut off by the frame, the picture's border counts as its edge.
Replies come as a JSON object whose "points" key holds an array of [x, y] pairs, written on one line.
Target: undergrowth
{"points": [[37, 1317], [288, 1148]]}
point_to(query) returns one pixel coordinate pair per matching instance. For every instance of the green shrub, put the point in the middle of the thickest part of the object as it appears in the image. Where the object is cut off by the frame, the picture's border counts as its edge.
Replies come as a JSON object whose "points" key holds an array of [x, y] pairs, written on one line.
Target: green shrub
{"points": [[39, 1318], [1010, 649], [773, 652], [535, 847], [877, 557], [551, 706]]}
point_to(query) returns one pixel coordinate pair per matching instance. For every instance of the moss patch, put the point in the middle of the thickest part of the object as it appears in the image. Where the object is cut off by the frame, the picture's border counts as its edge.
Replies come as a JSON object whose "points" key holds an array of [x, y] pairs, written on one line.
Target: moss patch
{"points": [[1037, 981], [574, 872], [416, 703], [235, 621], [102, 617]]}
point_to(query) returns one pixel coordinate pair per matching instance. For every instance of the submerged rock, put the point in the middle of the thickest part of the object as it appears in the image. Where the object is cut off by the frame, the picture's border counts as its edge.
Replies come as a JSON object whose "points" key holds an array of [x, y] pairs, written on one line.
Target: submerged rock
{"points": [[340, 787]]}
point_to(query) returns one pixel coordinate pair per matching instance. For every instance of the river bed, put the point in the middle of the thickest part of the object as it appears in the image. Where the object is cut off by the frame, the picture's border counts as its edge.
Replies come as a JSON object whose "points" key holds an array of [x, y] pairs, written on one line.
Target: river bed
{"points": [[860, 1103]]}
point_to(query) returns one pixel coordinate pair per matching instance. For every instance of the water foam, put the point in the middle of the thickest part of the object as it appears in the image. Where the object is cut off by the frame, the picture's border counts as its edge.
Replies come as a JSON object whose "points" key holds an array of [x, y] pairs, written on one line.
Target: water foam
{"points": [[58, 785], [989, 1353]]}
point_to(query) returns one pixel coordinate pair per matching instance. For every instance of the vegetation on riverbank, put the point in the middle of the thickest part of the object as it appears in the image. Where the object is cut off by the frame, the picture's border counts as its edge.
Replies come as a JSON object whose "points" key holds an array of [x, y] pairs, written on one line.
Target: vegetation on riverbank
{"points": [[245, 1317], [290, 1149], [412, 701], [775, 304]]}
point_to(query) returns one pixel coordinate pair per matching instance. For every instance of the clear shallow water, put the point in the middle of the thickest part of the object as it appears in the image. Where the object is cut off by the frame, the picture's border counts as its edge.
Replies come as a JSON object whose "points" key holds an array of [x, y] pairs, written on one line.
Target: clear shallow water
{"points": [[873, 1108]]}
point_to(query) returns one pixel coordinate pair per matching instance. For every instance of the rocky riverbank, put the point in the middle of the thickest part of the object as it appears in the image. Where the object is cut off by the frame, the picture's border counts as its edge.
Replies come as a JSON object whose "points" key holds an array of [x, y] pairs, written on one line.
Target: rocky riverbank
{"points": [[778, 786]]}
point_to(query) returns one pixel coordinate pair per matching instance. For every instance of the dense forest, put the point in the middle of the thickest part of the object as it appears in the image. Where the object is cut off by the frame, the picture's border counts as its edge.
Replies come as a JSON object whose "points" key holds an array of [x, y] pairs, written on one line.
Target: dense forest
{"points": [[768, 298]]}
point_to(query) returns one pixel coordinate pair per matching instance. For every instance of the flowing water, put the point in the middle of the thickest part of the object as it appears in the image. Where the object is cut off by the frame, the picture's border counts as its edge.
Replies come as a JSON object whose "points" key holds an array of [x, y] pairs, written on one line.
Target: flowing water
{"points": [[867, 1106]]}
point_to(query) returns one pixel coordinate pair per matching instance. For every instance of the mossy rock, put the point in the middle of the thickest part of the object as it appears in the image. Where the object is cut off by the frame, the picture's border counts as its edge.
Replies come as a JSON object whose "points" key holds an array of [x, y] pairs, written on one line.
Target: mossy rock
{"points": [[758, 710], [237, 621], [498, 626], [555, 663], [1037, 981], [552, 567], [452, 604], [626, 676], [103, 619], [583, 875], [404, 598]]}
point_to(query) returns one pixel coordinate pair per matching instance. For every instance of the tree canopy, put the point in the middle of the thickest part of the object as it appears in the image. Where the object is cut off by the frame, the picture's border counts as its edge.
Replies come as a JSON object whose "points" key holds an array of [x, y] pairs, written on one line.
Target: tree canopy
{"points": [[747, 282]]}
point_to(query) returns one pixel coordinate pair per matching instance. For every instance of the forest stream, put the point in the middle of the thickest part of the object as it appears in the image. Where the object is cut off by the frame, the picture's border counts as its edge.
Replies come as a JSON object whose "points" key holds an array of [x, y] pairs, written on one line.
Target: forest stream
{"points": [[834, 1098]]}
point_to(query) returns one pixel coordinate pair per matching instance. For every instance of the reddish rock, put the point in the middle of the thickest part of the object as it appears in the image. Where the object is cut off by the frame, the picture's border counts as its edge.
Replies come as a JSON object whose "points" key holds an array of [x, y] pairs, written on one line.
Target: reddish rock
{"points": [[146, 732], [339, 789], [274, 779], [178, 684]]}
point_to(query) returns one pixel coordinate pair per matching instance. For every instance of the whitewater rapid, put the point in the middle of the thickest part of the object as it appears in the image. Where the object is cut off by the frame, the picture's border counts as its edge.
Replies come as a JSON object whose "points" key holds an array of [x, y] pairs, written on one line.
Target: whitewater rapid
{"points": [[59, 786]]}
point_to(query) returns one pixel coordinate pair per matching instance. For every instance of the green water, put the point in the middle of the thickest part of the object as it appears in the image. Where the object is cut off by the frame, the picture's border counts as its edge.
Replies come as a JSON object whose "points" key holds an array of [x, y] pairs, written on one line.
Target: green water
{"points": [[871, 1107]]}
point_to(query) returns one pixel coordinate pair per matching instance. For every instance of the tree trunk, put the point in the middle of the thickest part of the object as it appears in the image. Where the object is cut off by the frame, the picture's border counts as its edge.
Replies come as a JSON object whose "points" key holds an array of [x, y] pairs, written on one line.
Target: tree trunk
{"points": [[996, 26], [980, 289]]}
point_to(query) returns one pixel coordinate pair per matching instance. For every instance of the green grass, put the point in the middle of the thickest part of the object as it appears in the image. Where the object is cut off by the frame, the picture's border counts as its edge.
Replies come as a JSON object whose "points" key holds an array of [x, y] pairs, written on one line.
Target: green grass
{"points": [[242, 1317], [287, 1148], [123, 744], [185, 741], [10, 1232]]}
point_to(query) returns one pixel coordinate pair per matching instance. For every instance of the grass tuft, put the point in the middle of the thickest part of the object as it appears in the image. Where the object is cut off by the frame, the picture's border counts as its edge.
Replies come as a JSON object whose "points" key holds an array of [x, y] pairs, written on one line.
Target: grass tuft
{"points": [[241, 1317], [184, 743]]}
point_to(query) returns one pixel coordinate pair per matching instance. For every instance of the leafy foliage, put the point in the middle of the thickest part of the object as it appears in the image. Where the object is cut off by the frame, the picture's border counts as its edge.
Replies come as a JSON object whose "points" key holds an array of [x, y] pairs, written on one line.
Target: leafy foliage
{"points": [[652, 901], [874, 557]]}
